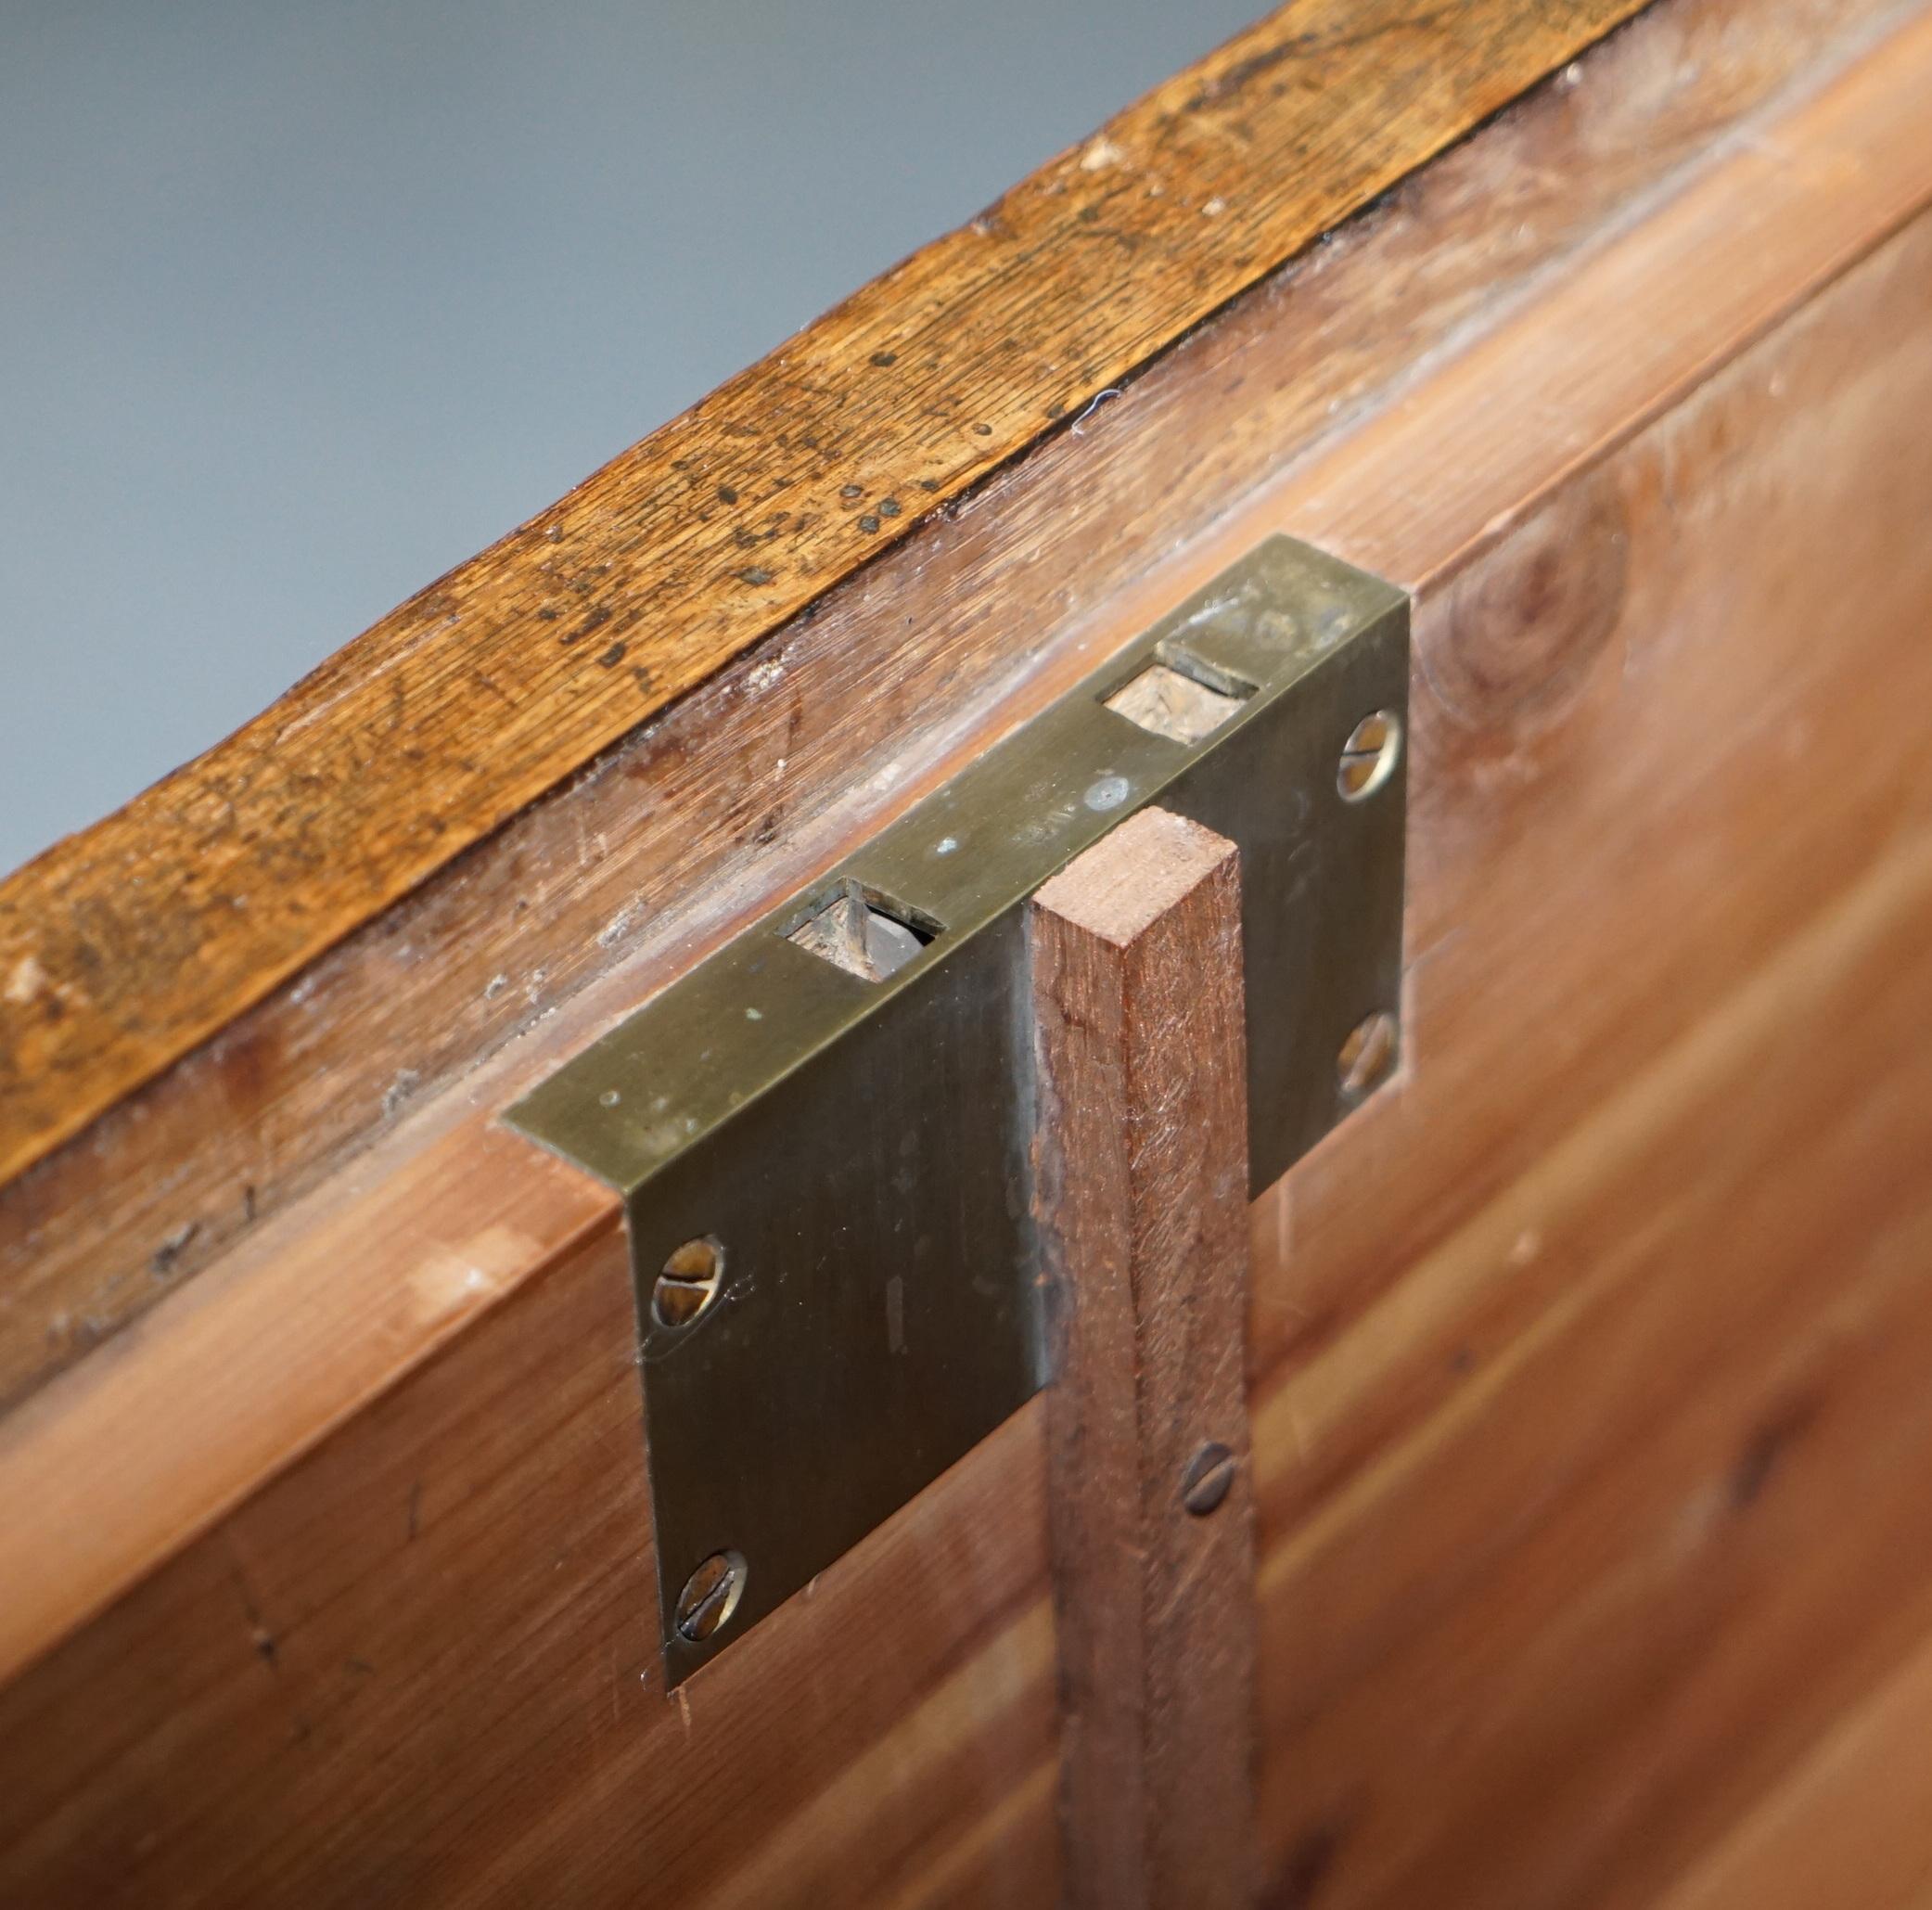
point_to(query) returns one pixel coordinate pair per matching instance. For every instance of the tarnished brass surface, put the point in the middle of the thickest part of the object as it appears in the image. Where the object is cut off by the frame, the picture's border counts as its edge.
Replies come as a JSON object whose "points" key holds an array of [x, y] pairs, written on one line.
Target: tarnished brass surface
{"points": [[839, 1101]]}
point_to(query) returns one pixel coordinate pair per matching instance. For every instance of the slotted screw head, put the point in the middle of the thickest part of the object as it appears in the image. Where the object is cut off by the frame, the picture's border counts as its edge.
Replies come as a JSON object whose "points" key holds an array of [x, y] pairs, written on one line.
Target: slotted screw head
{"points": [[692, 1279], [1367, 1055], [1369, 756], [1210, 1474], [710, 1596]]}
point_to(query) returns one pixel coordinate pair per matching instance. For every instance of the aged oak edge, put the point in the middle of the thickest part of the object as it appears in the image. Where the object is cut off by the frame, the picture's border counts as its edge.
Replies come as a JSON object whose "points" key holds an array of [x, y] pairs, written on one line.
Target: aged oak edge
{"points": [[122, 948], [1869, 1427], [832, 715], [1349, 486]]}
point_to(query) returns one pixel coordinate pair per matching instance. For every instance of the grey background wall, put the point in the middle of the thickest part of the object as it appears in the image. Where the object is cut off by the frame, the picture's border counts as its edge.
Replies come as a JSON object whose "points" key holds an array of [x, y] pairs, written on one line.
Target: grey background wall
{"points": [[301, 304]]}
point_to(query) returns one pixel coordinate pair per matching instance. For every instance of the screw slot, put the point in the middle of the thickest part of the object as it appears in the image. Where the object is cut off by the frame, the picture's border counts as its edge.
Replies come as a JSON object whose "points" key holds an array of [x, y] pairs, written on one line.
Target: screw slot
{"points": [[692, 1279], [1369, 757], [1210, 1474], [1367, 1055], [710, 1596]]}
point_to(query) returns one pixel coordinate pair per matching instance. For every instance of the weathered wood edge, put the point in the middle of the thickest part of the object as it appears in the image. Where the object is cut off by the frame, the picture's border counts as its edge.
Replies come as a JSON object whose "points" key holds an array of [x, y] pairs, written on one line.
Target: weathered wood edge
{"points": [[738, 1731], [124, 947]]}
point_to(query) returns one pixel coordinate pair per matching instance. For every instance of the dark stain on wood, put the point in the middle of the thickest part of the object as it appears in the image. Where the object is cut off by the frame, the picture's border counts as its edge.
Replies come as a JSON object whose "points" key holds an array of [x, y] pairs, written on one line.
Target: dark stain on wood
{"points": [[1309, 1862]]}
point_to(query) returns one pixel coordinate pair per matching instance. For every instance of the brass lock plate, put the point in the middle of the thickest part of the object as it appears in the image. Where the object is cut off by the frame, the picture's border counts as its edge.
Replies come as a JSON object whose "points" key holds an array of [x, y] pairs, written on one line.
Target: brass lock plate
{"points": [[822, 1133]]}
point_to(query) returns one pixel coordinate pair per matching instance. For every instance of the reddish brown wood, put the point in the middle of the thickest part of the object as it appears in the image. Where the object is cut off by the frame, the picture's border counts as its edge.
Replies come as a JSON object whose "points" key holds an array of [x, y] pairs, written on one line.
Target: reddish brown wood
{"points": [[1590, 1410], [1137, 997], [421, 1667]]}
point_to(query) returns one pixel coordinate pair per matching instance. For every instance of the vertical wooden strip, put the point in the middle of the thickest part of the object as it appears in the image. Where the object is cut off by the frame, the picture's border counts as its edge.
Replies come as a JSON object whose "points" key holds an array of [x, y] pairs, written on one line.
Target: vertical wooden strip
{"points": [[1143, 1154]]}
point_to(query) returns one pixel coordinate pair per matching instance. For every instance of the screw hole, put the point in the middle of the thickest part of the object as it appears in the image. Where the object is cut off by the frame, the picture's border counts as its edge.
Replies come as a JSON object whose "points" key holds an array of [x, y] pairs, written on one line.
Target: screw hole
{"points": [[691, 1281], [1369, 757], [1367, 1055], [710, 1596]]}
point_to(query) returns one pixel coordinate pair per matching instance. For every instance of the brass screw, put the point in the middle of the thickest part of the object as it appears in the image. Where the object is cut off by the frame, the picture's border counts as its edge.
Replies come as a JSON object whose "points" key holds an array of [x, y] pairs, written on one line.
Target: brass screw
{"points": [[1367, 1055], [692, 1279], [1210, 1474], [710, 1596], [1370, 755]]}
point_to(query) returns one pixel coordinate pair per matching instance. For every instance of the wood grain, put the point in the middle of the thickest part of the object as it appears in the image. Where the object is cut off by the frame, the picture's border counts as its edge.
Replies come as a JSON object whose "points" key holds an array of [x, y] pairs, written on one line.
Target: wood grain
{"points": [[1769, 220], [1667, 1526], [1140, 1024], [749, 785], [422, 1666], [123, 948], [1846, 1826], [1588, 1360], [1586, 1412], [265, 1359]]}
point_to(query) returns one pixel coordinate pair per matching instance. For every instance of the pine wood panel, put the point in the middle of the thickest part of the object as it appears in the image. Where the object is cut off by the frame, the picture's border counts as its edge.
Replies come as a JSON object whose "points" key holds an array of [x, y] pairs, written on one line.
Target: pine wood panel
{"points": [[1546, 1647], [1846, 1826], [1593, 1419], [1758, 231], [256, 1365], [124, 947], [422, 1666], [759, 777]]}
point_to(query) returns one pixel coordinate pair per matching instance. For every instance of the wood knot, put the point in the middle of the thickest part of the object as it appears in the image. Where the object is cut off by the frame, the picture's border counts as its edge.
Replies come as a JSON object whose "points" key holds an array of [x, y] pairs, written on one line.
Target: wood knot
{"points": [[1523, 627]]}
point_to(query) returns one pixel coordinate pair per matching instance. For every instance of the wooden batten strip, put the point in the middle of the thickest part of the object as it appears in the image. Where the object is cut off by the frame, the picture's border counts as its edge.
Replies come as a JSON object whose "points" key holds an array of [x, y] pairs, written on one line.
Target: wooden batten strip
{"points": [[1139, 1004], [123, 948]]}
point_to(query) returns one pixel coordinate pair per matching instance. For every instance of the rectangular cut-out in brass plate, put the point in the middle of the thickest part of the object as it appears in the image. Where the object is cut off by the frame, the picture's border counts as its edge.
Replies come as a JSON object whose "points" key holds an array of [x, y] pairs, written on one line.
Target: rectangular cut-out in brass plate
{"points": [[830, 1117]]}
